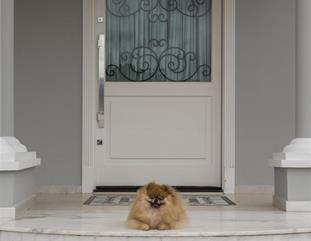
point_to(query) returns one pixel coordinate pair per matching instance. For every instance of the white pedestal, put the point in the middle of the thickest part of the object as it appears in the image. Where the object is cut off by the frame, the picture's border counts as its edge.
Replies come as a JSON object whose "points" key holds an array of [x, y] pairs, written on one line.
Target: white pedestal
{"points": [[292, 176], [17, 179]]}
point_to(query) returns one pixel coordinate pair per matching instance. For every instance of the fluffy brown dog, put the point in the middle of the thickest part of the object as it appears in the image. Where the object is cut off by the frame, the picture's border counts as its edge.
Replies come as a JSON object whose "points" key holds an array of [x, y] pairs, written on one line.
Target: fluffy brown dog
{"points": [[157, 207]]}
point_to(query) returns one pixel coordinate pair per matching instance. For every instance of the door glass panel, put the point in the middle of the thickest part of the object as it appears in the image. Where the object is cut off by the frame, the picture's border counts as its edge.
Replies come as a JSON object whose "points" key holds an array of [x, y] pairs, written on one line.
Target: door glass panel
{"points": [[158, 40]]}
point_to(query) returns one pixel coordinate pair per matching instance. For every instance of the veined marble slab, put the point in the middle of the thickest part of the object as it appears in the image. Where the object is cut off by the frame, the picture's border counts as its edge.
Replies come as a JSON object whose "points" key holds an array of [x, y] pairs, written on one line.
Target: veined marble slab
{"points": [[206, 224], [6, 236], [253, 218]]}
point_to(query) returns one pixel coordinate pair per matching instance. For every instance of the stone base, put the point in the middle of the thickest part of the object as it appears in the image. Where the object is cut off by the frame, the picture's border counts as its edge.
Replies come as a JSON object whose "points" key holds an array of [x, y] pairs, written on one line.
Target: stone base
{"points": [[292, 176], [17, 177], [291, 206], [17, 189], [17, 209]]}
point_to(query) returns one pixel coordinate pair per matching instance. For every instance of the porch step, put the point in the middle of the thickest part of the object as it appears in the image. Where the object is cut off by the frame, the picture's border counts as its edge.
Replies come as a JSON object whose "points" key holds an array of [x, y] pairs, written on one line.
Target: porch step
{"points": [[13, 236], [63, 218]]}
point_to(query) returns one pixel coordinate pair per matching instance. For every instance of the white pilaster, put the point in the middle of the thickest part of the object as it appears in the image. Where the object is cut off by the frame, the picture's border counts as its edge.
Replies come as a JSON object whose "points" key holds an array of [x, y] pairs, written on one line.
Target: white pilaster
{"points": [[89, 97], [228, 112], [6, 67]]}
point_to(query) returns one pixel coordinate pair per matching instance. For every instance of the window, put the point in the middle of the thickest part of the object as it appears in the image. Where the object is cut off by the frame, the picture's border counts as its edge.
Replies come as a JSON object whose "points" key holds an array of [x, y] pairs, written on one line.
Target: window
{"points": [[158, 40]]}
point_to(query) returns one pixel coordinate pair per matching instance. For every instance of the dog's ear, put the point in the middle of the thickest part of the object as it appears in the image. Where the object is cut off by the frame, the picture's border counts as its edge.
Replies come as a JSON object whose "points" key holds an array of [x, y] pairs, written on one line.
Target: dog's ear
{"points": [[150, 185], [168, 189], [165, 188]]}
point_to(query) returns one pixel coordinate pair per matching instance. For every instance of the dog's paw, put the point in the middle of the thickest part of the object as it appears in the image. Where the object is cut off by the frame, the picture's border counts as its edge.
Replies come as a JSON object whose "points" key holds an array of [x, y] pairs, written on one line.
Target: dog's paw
{"points": [[144, 227], [163, 226]]}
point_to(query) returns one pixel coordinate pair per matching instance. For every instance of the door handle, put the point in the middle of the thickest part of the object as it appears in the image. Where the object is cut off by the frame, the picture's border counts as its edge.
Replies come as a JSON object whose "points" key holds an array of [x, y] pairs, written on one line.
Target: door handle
{"points": [[101, 78]]}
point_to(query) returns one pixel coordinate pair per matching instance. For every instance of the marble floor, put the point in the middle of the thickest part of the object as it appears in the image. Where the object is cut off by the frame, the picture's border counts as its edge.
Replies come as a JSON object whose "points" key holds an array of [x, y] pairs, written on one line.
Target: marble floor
{"points": [[63, 217]]}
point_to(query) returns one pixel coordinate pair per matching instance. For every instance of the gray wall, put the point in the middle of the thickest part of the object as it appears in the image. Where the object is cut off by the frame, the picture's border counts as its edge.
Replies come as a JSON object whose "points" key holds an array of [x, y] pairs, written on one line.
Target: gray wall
{"points": [[265, 91], [48, 95], [6, 68], [48, 85]]}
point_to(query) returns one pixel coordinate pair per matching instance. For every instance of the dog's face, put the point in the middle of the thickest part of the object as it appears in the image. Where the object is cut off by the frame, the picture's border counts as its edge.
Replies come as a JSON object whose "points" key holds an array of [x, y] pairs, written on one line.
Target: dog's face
{"points": [[157, 207], [156, 195]]}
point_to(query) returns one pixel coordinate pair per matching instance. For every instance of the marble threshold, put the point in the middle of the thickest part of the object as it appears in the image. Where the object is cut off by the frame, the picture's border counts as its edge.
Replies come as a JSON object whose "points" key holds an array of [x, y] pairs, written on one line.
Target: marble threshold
{"points": [[253, 216]]}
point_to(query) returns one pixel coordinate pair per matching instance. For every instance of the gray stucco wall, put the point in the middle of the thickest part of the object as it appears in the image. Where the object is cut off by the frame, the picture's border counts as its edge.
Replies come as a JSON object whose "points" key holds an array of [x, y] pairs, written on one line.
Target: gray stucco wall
{"points": [[265, 86], [48, 85], [48, 82], [6, 68]]}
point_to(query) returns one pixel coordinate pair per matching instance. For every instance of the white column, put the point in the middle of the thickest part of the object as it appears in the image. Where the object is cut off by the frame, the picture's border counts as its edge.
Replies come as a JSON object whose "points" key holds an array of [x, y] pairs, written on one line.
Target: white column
{"points": [[6, 67], [303, 69], [292, 166]]}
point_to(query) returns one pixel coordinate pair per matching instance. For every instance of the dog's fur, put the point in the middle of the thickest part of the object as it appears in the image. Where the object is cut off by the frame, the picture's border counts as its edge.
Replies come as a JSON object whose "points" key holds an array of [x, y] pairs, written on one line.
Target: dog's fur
{"points": [[157, 207]]}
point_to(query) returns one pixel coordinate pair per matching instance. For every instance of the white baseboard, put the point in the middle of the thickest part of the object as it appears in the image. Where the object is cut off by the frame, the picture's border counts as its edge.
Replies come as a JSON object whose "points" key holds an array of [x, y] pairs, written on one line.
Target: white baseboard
{"points": [[228, 184], [69, 189], [7, 212], [254, 189], [291, 206], [14, 211]]}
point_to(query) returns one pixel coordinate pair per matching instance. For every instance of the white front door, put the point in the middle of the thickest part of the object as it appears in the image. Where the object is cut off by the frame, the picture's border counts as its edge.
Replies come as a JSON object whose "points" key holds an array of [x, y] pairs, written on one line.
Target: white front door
{"points": [[159, 111]]}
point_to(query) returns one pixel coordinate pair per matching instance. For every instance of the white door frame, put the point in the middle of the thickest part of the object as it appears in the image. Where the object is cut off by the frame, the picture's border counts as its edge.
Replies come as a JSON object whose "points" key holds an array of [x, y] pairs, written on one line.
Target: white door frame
{"points": [[90, 96]]}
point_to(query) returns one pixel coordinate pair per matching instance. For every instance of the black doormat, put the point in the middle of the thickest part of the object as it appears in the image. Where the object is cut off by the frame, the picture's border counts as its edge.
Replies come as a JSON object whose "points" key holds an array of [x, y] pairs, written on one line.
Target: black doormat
{"points": [[128, 199], [178, 188]]}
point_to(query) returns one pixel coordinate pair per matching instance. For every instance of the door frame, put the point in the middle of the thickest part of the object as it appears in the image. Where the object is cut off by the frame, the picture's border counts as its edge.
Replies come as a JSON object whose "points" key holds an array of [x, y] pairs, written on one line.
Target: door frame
{"points": [[89, 96]]}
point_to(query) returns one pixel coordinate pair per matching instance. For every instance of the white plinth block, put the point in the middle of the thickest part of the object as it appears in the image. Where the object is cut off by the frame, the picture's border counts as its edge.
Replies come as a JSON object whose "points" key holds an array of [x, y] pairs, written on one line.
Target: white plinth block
{"points": [[17, 177], [292, 175]]}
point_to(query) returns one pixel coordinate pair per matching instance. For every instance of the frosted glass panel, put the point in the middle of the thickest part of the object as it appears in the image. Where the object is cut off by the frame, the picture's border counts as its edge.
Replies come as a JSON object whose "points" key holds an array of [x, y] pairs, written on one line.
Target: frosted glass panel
{"points": [[158, 40]]}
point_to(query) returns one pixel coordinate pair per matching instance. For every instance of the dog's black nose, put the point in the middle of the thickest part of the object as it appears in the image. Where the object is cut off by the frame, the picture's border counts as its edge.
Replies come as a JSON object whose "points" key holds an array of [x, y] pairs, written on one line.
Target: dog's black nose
{"points": [[156, 203]]}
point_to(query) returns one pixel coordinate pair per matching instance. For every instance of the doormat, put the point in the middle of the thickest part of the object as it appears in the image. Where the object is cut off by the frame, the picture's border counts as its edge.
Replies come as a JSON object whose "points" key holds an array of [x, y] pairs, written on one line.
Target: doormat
{"points": [[126, 200]]}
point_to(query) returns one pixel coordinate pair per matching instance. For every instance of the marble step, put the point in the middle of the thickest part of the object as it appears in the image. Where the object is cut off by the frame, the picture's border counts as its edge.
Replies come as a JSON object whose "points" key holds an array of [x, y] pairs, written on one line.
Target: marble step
{"points": [[17, 236]]}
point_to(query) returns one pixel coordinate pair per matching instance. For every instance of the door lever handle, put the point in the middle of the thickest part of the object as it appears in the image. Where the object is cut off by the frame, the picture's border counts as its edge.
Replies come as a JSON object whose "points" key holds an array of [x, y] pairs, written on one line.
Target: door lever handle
{"points": [[101, 78], [100, 119]]}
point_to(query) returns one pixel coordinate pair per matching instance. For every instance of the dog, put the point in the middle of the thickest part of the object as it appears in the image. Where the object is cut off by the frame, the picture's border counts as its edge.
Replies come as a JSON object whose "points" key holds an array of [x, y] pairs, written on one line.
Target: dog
{"points": [[157, 207]]}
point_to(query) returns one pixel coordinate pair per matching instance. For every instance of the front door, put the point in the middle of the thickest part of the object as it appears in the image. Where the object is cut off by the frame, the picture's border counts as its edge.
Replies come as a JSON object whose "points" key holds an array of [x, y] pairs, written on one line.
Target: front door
{"points": [[159, 111]]}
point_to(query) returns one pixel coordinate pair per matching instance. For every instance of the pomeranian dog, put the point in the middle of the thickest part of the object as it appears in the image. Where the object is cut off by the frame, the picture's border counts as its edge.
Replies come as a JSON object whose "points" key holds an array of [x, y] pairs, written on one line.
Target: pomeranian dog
{"points": [[157, 207]]}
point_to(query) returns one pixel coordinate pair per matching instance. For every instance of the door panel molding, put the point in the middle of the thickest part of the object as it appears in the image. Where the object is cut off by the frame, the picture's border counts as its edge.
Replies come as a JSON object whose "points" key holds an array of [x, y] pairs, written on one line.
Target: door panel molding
{"points": [[191, 117], [90, 88]]}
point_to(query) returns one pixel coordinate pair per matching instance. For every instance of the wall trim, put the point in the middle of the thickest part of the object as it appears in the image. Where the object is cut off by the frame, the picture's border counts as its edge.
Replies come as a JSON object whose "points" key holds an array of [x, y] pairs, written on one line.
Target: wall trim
{"points": [[89, 97], [254, 189], [59, 189]]}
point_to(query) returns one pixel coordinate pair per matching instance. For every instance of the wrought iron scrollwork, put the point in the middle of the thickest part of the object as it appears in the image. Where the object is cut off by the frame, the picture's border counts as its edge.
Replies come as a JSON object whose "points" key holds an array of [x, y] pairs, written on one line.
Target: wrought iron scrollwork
{"points": [[158, 9], [150, 53], [143, 64]]}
